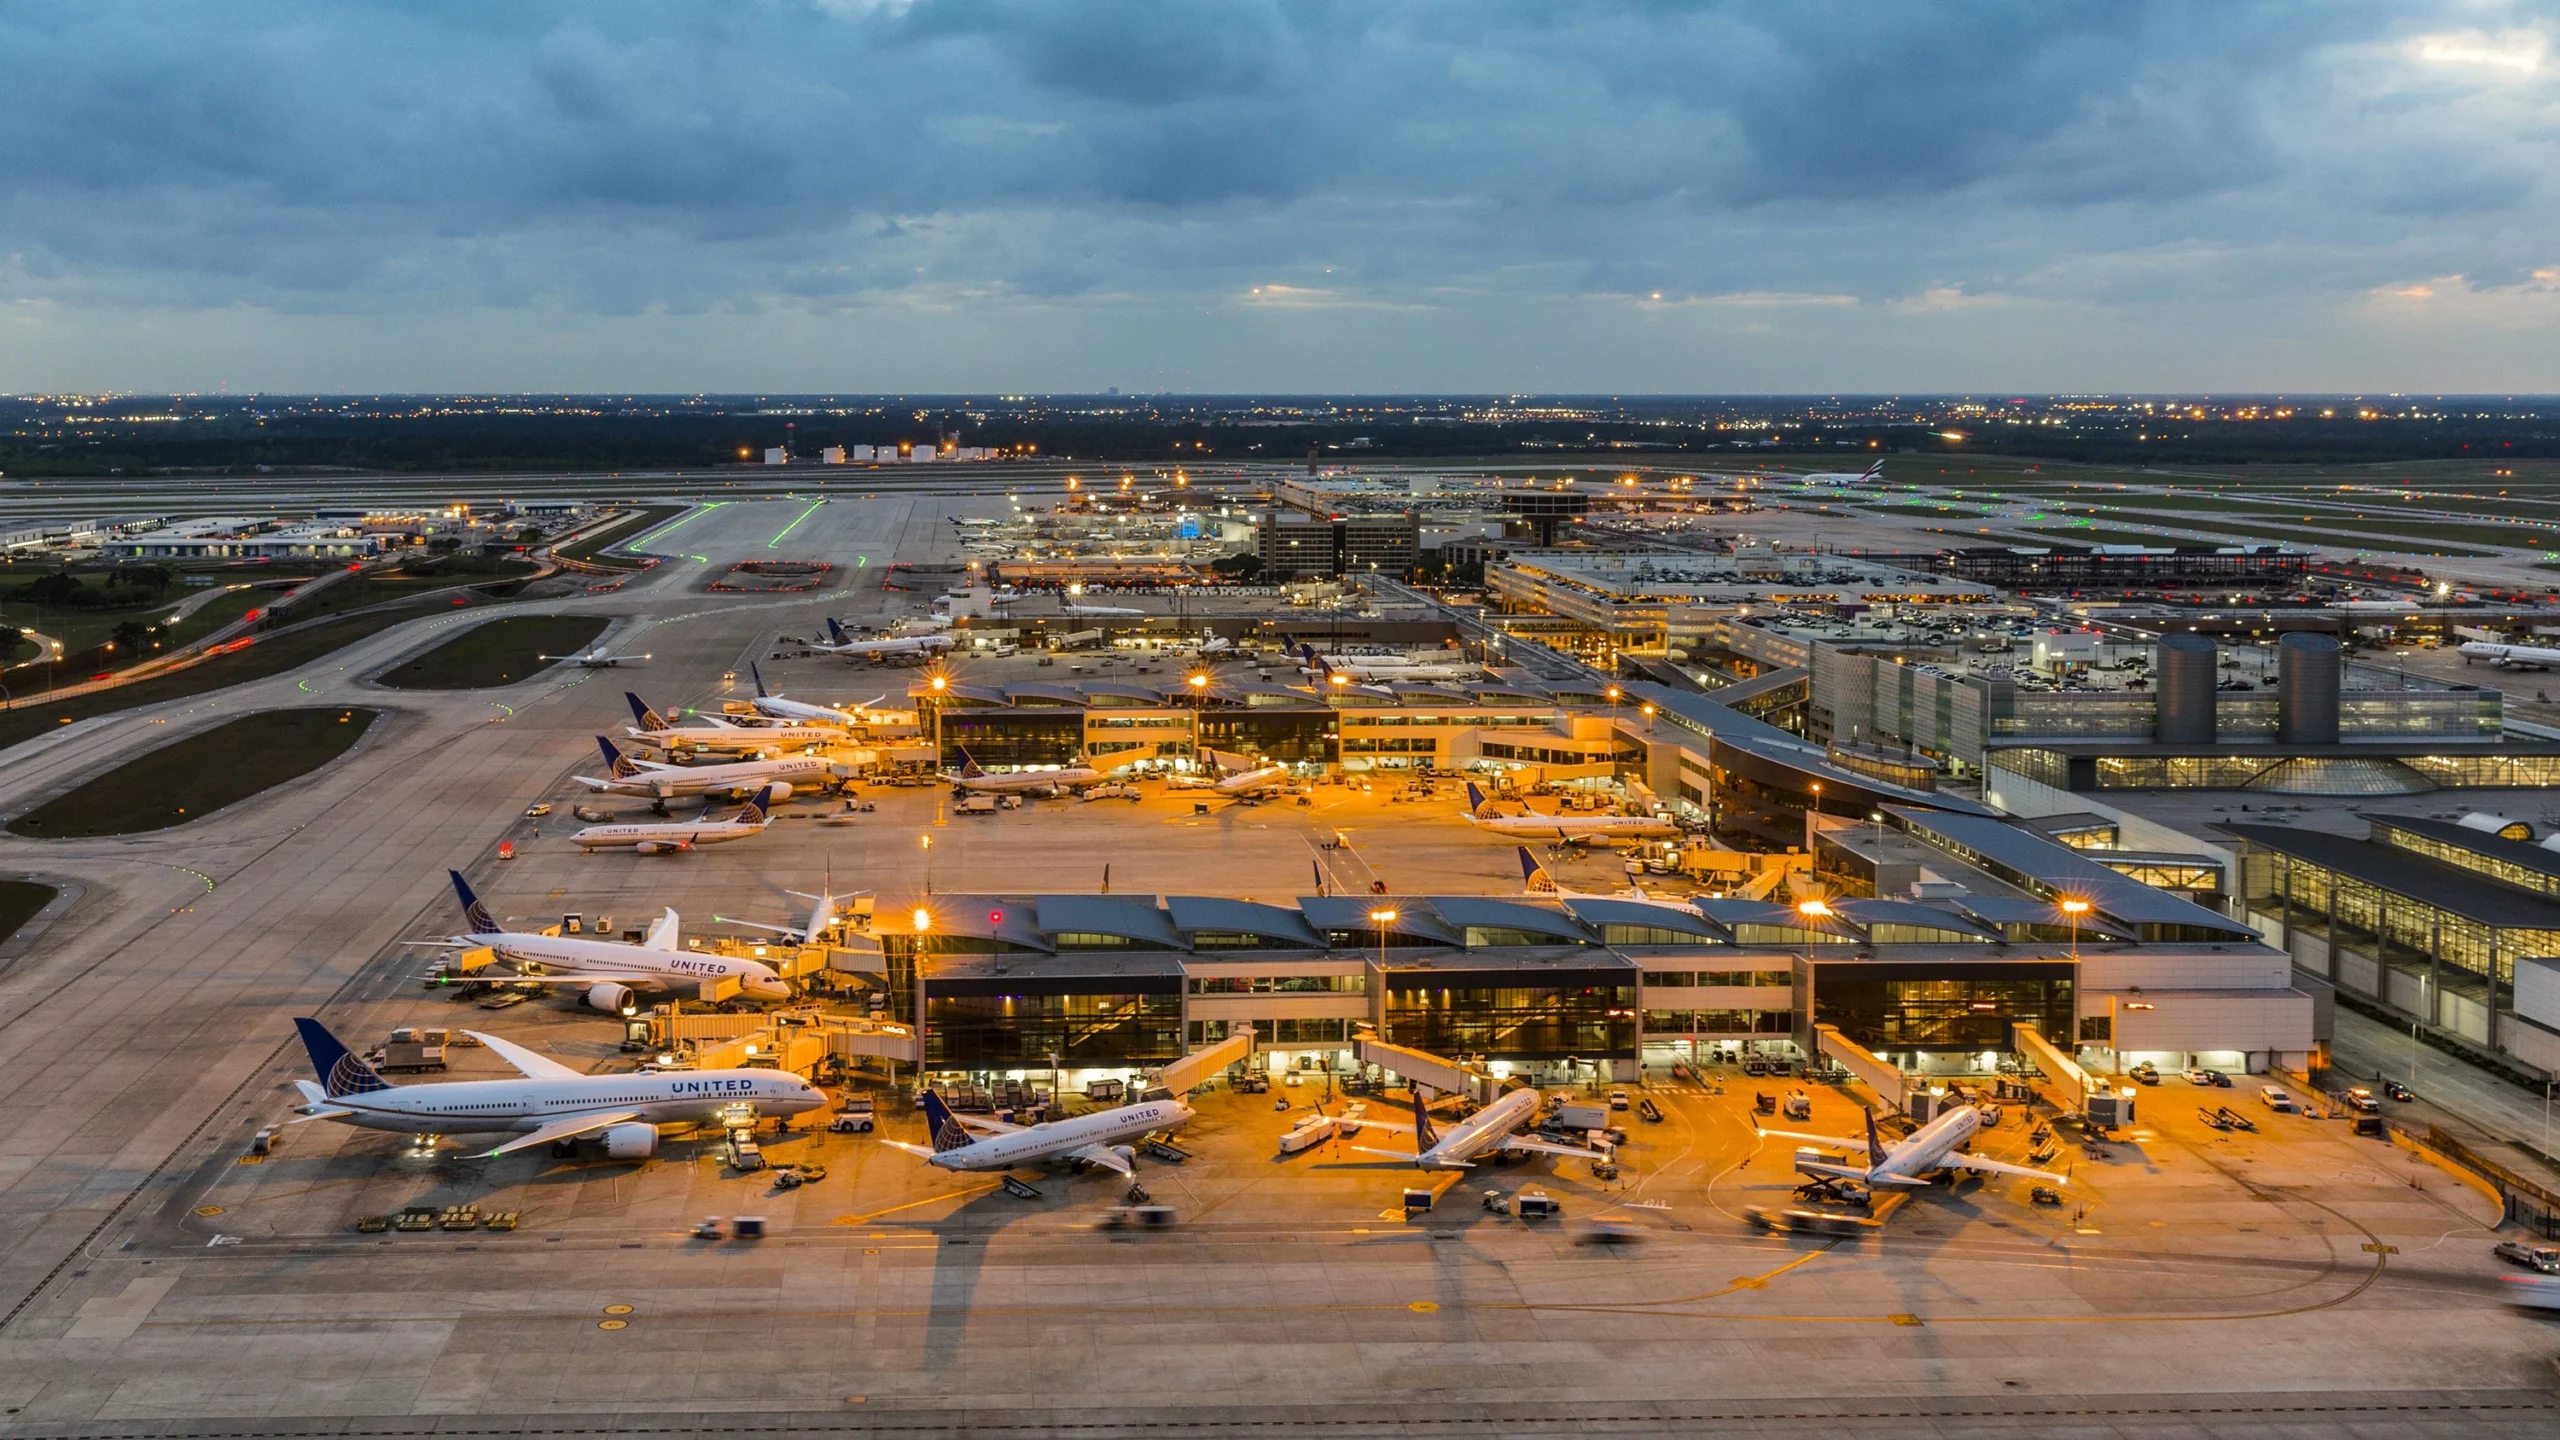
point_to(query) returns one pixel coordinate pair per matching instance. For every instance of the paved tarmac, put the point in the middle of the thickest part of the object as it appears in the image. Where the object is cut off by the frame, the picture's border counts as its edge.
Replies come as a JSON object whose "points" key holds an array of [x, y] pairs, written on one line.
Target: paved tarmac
{"points": [[2199, 1283]]}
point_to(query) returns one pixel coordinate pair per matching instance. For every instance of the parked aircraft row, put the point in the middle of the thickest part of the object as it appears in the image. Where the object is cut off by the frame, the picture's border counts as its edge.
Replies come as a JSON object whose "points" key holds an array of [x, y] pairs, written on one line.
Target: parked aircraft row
{"points": [[1512, 820]]}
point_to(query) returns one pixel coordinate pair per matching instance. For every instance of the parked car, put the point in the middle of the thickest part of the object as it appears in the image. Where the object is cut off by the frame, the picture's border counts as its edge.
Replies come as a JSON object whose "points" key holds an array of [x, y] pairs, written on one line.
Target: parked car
{"points": [[2276, 1099], [2146, 1072], [2209, 1077], [2532, 1257]]}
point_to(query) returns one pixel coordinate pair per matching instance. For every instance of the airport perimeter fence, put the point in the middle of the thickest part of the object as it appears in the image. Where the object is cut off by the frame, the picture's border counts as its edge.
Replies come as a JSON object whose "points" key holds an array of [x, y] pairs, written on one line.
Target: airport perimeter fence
{"points": [[2527, 1202]]}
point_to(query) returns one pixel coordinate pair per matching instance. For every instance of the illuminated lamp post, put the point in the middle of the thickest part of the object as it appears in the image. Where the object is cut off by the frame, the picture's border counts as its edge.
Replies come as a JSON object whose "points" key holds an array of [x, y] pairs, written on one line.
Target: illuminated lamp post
{"points": [[1382, 919], [1811, 809]]}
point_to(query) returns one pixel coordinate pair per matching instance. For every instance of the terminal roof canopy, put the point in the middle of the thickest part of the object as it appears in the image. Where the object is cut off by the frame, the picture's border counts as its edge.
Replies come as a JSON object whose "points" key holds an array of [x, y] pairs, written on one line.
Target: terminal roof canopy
{"points": [[2396, 871], [1491, 921], [1281, 926], [1349, 914], [2051, 868], [1128, 917]]}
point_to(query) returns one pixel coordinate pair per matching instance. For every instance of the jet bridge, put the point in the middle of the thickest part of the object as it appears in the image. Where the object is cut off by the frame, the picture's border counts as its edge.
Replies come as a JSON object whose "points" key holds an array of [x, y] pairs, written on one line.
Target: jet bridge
{"points": [[1447, 1077], [2065, 1084], [1186, 1074], [1888, 1082]]}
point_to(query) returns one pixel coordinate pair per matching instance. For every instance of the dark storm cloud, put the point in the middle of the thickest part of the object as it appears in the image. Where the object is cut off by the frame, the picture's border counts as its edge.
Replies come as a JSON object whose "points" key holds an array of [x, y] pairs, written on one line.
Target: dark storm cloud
{"points": [[616, 159]]}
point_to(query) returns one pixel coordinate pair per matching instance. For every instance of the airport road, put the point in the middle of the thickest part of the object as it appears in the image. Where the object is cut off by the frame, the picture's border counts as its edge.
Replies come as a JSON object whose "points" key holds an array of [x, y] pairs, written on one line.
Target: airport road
{"points": [[2214, 1284]]}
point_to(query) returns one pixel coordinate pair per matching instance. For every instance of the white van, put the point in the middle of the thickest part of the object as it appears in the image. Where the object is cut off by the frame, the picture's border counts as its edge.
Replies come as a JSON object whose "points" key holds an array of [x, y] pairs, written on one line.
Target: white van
{"points": [[2276, 1098]]}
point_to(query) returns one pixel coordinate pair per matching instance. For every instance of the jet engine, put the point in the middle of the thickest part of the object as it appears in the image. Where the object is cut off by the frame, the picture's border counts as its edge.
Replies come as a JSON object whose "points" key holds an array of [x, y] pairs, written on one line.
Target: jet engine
{"points": [[658, 847], [613, 999], [781, 792], [633, 1141]]}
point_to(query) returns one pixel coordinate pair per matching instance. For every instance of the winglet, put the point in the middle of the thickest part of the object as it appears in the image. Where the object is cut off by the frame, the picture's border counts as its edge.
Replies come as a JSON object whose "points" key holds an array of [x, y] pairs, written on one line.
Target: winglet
{"points": [[474, 914]]}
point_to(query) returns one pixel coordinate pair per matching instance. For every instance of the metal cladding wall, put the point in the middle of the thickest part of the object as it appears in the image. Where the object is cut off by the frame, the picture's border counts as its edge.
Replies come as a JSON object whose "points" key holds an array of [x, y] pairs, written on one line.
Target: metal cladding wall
{"points": [[2308, 669], [2185, 668]]}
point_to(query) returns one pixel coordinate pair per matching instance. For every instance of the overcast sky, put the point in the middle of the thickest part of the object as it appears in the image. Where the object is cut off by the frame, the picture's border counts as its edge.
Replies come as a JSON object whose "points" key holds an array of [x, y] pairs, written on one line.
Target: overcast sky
{"points": [[2027, 195]]}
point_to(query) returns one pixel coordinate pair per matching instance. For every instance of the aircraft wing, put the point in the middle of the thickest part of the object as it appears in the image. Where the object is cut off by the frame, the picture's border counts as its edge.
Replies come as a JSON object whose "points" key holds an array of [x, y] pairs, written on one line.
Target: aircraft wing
{"points": [[509, 978], [992, 1127], [1102, 1155], [1406, 1156], [2002, 1167], [921, 1152], [1367, 1123], [529, 1064], [1549, 1147], [562, 1129], [1840, 1141]]}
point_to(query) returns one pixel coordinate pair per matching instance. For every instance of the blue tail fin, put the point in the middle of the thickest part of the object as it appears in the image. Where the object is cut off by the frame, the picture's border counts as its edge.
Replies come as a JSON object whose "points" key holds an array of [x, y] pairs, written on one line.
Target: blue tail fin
{"points": [[619, 765], [647, 718], [942, 1126], [1424, 1137], [1532, 874], [761, 692], [340, 1072], [753, 812], [836, 633], [474, 914], [969, 767], [1475, 800], [1875, 1145]]}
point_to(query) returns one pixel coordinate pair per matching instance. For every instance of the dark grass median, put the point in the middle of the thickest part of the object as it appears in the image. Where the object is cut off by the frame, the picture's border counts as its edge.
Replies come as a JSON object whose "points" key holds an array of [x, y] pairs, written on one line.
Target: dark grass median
{"points": [[191, 778], [500, 652], [267, 655], [19, 902], [589, 549]]}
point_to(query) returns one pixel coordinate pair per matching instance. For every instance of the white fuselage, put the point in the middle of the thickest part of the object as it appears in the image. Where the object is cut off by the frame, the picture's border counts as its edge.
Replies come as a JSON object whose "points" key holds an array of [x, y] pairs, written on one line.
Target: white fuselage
{"points": [[1058, 1137], [735, 777], [2511, 656], [564, 955], [781, 709], [1029, 782], [1575, 827], [1925, 1149], [482, 1107], [891, 648], [1481, 1132], [670, 834], [735, 738]]}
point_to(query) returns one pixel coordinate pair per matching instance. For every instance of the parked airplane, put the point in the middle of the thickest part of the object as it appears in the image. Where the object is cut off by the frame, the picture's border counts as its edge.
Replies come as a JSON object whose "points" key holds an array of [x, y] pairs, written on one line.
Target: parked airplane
{"points": [[1910, 1162], [823, 914], [1070, 607], [1095, 1139], [772, 703], [596, 659], [2510, 657], [627, 776], [1494, 1128], [551, 1102], [1537, 879], [1575, 829], [718, 734], [614, 973], [891, 648], [1028, 782], [668, 837], [1238, 776]]}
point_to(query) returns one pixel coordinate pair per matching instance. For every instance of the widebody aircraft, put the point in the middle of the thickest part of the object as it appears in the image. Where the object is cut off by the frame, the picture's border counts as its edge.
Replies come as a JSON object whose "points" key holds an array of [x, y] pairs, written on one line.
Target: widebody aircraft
{"points": [[1096, 1139], [669, 837], [894, 647], [825, 909], [1577, 829], [1237, 776], [616, 974], [549, 1102], [1537, 879], [628, 776], [1493, 1129], [1872, 475], [773, 704], [1911, 1161], [1385, 669], [717, 734]]}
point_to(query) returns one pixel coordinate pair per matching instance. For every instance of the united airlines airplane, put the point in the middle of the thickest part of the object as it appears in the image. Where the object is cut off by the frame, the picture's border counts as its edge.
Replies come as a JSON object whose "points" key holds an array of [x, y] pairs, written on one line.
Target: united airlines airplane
{"points": [[549, 1102]]}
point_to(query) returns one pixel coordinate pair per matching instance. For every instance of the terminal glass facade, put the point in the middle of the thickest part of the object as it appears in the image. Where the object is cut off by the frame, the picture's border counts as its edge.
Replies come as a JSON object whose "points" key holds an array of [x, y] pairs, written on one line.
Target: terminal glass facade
{"points": [[1962, 1008], [1514, 1015], [1025, 1026]]}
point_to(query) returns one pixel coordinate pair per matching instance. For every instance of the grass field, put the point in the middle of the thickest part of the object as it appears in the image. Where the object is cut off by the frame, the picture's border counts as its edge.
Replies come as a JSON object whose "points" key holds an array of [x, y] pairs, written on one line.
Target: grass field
{"points": [[194, 777], [256, 662], [500, 652], [588, 549], [19, 902]]}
